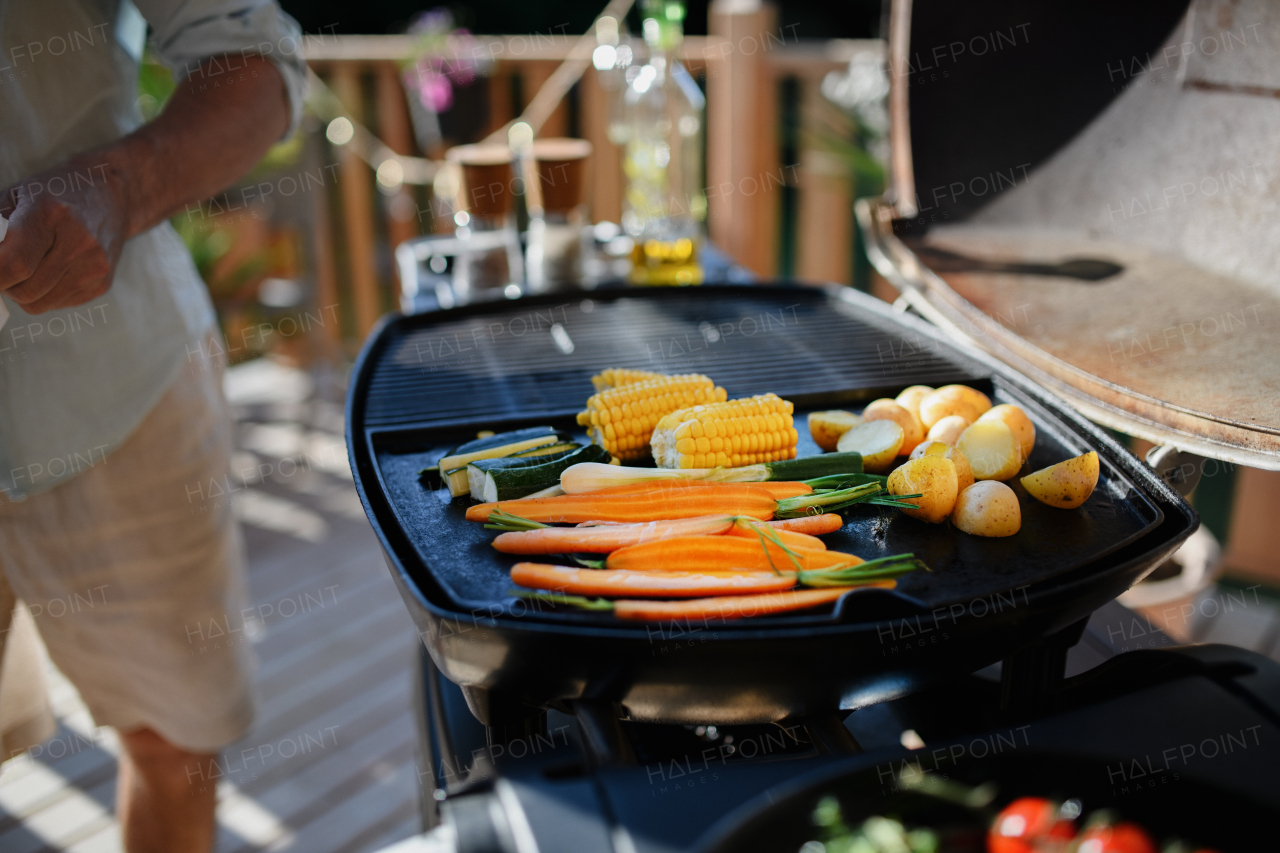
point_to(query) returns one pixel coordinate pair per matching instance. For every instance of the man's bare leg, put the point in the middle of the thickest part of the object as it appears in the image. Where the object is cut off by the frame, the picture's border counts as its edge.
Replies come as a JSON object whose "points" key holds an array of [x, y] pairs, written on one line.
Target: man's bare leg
{"points": [[164, 799]]}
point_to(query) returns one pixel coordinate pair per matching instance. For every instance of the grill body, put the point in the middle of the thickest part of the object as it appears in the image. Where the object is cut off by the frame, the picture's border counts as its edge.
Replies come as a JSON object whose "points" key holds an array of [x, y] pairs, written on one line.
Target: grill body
{"points": [[425, 381]]}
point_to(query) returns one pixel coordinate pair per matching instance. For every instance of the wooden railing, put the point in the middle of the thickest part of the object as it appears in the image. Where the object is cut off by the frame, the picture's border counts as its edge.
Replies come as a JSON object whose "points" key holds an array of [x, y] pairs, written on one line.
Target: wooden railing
{"points": [[744, 62]]}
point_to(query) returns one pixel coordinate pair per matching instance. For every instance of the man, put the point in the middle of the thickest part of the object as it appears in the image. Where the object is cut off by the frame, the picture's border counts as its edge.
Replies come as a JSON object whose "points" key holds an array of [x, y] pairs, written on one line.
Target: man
{"points": [[108, 418]]}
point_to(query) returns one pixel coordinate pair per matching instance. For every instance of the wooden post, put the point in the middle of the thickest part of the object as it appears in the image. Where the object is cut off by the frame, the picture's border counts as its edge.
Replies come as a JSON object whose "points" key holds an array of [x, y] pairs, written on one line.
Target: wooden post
{"points": [[824, 215], [605, 181], [357, 207], [742, 147], [536, 72], [501, 110], [327, 344], [394, 130]]}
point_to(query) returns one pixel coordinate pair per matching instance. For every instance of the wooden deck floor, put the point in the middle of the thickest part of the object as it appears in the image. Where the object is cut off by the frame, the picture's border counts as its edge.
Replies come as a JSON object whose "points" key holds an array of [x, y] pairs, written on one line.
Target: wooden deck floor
{"points": [[329, 766]]}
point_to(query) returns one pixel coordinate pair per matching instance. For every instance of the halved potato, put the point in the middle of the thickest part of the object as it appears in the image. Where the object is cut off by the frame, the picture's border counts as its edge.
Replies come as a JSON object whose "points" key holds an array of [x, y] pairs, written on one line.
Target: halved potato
{"points": [[910, 398], [878, 441], [964, 473], [1015, 419], [885, 409], [827, 427], [1065, 485], [948, 429], [992, 450], [987, 508], [934, 479], [953, 400]]}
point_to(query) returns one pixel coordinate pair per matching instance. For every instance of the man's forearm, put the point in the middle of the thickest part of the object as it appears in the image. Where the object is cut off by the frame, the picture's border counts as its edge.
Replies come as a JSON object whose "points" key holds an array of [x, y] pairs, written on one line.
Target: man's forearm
{"points": [[215, 128]]}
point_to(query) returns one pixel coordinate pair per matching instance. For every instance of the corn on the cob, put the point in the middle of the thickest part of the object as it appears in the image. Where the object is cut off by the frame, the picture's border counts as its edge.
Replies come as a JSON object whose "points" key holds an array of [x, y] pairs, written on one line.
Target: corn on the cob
{"points": [[615, 377], [730, 434], [621, 420]]}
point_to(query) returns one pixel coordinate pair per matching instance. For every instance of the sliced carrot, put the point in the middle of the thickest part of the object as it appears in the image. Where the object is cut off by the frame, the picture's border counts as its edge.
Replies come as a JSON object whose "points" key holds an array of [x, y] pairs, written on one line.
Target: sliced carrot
{"points": [[721, 499], [779, 489], [719, 553], [573, 581], [749, 528], [814, 525], [732, 606], [607, 537]]}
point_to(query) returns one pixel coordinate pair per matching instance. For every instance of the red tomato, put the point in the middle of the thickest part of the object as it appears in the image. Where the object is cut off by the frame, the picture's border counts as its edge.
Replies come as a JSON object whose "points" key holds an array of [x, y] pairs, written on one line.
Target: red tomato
{"points": [[1028, 825], [1121, 838]]}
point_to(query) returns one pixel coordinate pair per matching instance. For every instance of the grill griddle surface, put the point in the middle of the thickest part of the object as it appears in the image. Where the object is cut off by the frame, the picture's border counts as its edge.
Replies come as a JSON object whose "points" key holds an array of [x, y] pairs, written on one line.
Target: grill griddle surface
{"points": [[436, 385]]}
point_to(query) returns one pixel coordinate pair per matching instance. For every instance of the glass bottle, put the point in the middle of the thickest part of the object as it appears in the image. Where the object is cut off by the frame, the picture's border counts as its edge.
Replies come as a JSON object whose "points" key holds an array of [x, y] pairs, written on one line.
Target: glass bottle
{"points": [[661, 134]]}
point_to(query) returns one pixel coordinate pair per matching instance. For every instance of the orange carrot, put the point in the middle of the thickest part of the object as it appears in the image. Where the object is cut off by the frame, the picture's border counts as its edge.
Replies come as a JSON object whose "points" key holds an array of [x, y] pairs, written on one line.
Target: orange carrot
{"points": [[732, 606], [652, 584], [779, 489], [719, 553], [607, 537], [749, 528], [814, 525], [720, 499]]}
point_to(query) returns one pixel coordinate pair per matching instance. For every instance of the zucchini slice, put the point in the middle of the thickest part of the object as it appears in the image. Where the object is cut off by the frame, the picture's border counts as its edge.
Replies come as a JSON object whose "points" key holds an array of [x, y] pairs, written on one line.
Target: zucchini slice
{"points": [[546, 450], [475, 471], [508, 482], [453, 468]]}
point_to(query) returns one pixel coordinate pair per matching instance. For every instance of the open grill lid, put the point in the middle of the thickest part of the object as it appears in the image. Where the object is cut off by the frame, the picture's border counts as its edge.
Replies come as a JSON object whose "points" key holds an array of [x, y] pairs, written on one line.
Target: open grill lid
{"points": [[1141, 141]]}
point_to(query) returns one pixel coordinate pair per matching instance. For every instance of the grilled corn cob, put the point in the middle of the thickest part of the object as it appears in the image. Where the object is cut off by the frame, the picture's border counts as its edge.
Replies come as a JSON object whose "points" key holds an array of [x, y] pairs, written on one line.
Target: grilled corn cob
{"points": [[621, 420], [730, 434], [617, 376]]}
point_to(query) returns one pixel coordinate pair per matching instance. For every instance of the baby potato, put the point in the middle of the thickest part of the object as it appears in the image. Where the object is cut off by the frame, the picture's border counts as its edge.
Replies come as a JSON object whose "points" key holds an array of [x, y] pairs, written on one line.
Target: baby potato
{"points": [[1065, 485], [1015, 419], [877, 441], [973, 396], [932, 477], [910, 398], [992, 450], [885, 409], [948, 429], [987, 508], [953, 400], [827, 427], [964, 474]]}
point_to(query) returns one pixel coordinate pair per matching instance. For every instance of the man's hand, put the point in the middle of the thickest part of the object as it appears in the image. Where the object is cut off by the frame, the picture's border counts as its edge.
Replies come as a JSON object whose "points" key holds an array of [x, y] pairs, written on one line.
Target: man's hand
{"points": [[66, 230], [67, 226]]}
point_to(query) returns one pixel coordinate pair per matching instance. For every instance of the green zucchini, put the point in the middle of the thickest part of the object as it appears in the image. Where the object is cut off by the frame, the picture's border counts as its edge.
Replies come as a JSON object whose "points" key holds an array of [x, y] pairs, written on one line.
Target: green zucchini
{"points": [[509, 482], [503, 438], [453, 467], [476, 470], [546, 450], [811, 467]]}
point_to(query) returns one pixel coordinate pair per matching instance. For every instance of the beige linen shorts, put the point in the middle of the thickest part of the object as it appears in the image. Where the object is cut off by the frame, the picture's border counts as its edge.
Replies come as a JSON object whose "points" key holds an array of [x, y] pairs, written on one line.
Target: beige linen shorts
{"points": [[121, 567]]}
